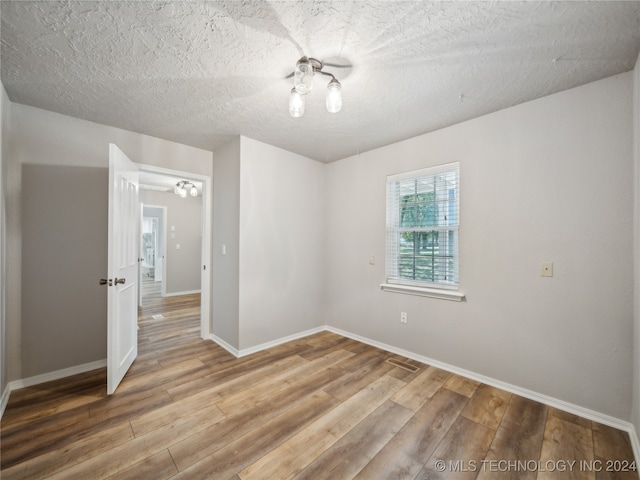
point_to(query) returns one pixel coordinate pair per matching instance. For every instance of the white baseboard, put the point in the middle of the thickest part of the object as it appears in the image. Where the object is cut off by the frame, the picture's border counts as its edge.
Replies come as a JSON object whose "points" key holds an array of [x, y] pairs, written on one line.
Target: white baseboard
{"points": [[4, 400], [523, 392], [538, 397], [232, 350], [186, 292], [263, 346], [65, 372], [47, 377], [635, 443]]}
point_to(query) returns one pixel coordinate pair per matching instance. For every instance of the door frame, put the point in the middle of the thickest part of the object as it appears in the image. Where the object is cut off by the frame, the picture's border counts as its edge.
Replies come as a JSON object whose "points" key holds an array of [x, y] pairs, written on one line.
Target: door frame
{"points": [[205, 256]]}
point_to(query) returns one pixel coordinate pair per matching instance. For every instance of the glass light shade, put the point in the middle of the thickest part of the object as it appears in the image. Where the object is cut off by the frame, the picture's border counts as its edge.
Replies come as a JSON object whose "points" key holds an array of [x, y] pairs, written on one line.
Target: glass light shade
{"points": [[183, 192], [296, 104], [334, 96], [177, 189], [194, 191], [303, 76]]}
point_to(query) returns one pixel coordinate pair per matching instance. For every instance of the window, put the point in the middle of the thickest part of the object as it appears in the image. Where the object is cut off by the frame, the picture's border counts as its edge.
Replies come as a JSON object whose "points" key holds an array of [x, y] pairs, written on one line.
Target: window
{"points": [[422, 228]]}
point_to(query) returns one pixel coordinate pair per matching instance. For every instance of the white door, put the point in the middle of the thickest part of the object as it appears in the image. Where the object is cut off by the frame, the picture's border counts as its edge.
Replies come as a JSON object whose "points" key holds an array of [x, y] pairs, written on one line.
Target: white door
{"points": [[122, 328]]}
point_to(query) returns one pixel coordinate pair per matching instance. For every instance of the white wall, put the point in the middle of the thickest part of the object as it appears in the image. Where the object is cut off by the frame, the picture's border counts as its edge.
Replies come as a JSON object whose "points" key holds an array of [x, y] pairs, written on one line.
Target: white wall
{"points": [[281, 243], [39, 137], [226, 233], [635, 413], [549, 180], [185, 215]]}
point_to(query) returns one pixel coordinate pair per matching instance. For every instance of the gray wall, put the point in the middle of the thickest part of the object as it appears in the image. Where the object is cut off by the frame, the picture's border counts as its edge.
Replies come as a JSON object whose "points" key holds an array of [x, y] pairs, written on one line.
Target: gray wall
{"points": [[12, 184], [281, 243], [4, 141], [269, 215], [548, 180], [635, 414], [185, 214], [64, 232], [39, 137], [225, 293]]}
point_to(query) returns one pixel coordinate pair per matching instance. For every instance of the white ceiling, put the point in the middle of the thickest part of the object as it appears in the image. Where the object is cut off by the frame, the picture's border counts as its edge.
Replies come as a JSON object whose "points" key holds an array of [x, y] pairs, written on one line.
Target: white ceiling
{"points": [[199, 72]]}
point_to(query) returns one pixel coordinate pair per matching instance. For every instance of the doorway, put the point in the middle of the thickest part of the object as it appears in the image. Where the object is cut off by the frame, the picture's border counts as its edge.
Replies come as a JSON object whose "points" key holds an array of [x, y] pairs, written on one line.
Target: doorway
{"points": [[152, 251], [174, 255]]}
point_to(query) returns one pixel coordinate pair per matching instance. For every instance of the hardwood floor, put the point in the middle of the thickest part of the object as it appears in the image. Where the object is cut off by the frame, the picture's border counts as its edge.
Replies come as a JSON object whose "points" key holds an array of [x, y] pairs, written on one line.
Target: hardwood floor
{"points": [[323, 407]]}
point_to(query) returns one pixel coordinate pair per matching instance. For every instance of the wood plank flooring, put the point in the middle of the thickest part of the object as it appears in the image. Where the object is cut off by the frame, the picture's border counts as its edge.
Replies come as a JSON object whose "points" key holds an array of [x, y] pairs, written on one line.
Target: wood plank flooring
{"points": [[322, 407]]}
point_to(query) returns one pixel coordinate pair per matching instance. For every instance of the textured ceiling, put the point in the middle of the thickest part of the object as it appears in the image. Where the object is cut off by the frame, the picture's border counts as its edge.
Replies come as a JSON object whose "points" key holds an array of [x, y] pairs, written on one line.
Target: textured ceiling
{"points": [[200, 72]]}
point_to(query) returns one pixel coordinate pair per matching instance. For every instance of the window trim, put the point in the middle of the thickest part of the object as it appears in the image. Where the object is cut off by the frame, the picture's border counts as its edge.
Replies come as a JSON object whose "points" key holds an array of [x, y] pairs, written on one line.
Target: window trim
{"points": [[441, 293], [416, 287], [445, 167]]}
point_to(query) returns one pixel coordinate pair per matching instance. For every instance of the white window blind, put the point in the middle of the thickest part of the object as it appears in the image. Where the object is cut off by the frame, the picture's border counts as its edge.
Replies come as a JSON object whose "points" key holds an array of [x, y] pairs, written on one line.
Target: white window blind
{"points": [[422, 227]]}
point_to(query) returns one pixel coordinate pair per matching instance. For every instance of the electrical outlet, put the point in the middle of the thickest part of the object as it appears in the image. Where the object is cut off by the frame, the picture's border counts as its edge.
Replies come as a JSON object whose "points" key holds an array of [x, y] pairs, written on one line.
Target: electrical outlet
{"points": [[547, 269], [403, 317]]}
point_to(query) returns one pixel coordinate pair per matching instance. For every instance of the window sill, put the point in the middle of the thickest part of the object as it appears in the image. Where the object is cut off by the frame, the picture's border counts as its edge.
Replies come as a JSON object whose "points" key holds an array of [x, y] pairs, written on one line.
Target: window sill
{"points": [[453, 295]]}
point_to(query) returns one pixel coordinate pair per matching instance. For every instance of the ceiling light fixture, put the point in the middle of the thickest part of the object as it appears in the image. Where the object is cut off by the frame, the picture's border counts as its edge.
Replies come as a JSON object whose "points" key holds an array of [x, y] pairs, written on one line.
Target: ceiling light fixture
{"points": [[303, 84], [183, 187]]}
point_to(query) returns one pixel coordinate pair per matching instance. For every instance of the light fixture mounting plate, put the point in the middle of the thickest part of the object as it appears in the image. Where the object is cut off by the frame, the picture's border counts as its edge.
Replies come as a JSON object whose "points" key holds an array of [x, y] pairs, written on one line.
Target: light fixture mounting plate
{"points": [[316, 64]]}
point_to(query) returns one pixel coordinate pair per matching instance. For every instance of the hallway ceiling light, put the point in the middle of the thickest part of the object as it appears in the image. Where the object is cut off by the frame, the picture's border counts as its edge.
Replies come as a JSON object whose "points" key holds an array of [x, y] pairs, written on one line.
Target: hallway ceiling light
{"points": [[303, 84], [183, 187]]}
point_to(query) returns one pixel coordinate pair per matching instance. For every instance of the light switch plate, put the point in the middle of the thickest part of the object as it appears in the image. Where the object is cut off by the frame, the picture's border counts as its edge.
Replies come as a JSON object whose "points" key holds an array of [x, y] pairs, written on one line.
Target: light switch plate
{"points": [[547, 269]]}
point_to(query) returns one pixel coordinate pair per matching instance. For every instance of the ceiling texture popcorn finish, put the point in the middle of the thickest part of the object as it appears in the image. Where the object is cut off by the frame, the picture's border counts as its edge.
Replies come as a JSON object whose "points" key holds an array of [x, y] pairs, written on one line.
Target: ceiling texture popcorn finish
{"points": [[201, 72]]}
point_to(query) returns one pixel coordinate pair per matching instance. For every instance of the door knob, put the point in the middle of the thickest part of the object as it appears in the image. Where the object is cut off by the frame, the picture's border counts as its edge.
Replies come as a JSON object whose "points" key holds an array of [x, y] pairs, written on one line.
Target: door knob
{"points": [[104, 281], [119, 281]]}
